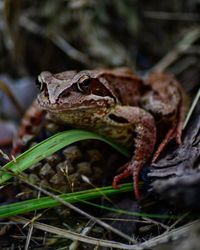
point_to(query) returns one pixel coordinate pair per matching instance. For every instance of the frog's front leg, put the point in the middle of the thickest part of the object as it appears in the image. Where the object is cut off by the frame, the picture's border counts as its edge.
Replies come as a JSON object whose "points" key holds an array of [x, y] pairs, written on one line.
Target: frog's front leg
{"points": [[144, 142]]}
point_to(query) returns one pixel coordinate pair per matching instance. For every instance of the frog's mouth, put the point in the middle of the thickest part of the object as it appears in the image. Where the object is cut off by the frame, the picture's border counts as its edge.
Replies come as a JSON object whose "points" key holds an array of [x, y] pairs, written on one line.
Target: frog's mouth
{"points": [[83, 104]]}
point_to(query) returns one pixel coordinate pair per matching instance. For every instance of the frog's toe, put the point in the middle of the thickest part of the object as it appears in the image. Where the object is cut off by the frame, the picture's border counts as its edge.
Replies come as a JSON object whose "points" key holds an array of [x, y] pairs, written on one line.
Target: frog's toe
{"points": [[168, 137], [126, 173], [178, 134]]}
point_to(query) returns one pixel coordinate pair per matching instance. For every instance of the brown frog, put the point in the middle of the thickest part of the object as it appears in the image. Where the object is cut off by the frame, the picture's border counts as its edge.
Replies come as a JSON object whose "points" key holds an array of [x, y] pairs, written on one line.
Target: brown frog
{"points": [[114, 103], [119, 105]]}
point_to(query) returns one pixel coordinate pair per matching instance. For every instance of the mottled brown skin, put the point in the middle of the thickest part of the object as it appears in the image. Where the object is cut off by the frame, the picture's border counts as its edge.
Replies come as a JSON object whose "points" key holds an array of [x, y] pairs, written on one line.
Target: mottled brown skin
{"points": [[118, 105]]}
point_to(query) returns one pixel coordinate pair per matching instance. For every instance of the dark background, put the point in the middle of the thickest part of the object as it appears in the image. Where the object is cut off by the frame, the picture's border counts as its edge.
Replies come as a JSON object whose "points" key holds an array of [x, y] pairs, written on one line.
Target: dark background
{"points": [[62, 35]]}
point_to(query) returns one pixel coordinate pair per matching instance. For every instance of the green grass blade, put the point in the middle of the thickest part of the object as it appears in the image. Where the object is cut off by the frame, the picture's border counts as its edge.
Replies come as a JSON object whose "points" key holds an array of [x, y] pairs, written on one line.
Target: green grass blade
{"points": [[48, 147], [81, 196], [48, 202], [138, 214]]}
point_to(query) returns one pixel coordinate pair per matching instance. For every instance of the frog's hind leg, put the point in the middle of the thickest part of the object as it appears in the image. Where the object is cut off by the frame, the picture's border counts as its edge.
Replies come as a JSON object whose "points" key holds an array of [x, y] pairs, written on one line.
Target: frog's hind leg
{"points": [[144, 141], [168, 137], [174, 132]]}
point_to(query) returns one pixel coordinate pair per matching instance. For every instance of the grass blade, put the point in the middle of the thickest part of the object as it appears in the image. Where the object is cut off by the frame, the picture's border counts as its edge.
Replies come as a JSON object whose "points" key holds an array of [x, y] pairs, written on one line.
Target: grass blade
{"points": [[48, 147], [48, 202]]}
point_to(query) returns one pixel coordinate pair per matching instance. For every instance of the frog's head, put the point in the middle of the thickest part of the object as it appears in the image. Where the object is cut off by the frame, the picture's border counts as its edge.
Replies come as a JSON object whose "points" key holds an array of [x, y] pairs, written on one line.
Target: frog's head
{"points": [[70, 90]]}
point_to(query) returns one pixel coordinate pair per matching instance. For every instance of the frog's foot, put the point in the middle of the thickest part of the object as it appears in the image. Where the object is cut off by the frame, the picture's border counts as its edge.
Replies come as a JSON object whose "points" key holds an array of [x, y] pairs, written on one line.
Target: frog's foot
{"points": [[174, 132], [126, 173], [130, 169]]}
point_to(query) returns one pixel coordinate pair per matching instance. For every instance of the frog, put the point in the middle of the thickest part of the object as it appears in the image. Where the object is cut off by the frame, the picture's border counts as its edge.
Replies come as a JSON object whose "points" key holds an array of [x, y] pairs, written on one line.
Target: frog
{"points": [[119, 105]]}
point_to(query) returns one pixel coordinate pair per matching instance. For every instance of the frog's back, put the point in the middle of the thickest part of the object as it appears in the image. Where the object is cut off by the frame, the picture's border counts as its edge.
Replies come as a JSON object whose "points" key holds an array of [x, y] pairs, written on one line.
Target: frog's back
{"points": [[125, 85]]}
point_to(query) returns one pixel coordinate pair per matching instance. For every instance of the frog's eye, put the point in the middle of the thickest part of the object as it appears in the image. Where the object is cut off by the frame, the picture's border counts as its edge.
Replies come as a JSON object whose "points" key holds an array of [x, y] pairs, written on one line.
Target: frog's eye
{"points": [[83, 83]]}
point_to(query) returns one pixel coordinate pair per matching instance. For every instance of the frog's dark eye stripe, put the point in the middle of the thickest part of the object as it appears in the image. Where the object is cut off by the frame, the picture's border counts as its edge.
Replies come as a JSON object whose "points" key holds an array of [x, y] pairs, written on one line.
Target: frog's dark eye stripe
{"points": [[65, 94], [118, 119]]}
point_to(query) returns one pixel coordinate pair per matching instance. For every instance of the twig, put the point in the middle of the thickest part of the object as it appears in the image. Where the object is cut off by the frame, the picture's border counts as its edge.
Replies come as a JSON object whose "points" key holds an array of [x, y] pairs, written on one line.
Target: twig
{"points": [[68, 49], [5, 88], [196, 99], [31, 227], [179, 49], [58, 40], [67, 204], [173, 235], [4, 155], [149, 220], [193, 50], [74, 236], [176, 16], [28, 238], [183, 64], [85, 231], [176, 222]]}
